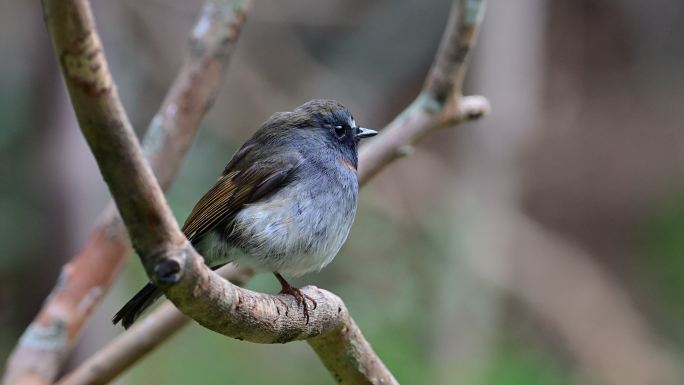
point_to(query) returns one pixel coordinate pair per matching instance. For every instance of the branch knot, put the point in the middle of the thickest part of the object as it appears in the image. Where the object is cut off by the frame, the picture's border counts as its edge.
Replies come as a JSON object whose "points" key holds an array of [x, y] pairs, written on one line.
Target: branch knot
{"points": [[168, 269]]}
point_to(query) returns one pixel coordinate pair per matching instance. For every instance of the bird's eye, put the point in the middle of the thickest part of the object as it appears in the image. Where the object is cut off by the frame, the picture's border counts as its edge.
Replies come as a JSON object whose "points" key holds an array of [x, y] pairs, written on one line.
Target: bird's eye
{"points": [[340, 131]]}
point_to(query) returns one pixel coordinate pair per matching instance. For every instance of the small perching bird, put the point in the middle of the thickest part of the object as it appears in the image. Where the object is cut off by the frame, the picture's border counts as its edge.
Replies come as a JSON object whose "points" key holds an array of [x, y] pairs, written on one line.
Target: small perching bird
{"points": [[284, 203]]}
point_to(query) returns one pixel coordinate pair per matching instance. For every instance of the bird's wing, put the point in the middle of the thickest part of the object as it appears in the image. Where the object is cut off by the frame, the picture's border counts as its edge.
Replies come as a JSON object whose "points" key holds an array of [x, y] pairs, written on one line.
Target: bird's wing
{"points": [[245, 180]]}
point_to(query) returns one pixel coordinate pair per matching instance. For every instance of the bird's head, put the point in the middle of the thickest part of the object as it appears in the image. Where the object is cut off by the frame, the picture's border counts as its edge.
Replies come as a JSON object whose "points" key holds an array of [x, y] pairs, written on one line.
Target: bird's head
{"points": [[333, 117], [324, 121], [335, 124]]}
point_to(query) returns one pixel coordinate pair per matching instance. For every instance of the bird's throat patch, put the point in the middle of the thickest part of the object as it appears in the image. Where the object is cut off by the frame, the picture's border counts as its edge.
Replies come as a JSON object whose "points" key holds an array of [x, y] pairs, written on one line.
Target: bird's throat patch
{"points": [[346, 163]]}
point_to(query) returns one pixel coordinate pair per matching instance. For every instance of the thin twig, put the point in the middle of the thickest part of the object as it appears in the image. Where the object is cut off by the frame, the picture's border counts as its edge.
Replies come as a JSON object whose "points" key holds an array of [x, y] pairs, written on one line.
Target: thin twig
{"points": [[51, 337], [408, 128], [440, 103]]}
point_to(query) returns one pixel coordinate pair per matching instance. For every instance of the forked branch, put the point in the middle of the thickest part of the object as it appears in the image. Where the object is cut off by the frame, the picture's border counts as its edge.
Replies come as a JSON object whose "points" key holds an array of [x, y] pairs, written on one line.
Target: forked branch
{"points": [[46, 344], [175, 266]]}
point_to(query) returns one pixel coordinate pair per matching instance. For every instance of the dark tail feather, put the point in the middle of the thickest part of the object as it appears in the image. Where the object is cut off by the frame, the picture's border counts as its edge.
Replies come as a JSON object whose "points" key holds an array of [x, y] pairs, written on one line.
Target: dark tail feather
{"points": [[133, 308]]}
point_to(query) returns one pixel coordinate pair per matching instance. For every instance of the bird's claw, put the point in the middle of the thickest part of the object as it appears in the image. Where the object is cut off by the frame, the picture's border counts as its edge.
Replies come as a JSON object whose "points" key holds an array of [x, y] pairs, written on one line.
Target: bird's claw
{"points": [[301, 299]]}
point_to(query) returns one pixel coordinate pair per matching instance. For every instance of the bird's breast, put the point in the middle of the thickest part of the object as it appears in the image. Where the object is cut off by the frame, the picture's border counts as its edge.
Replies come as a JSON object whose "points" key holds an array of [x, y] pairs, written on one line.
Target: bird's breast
{"points": [[300, 228]]}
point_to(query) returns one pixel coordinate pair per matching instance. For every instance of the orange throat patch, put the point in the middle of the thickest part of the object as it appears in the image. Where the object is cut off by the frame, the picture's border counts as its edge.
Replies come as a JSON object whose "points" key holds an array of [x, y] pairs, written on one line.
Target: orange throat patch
{"points": [[347, 164]]}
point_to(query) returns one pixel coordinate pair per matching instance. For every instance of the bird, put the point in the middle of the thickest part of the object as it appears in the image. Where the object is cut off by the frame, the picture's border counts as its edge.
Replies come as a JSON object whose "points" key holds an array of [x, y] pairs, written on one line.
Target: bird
{"points": [[284, 203]]}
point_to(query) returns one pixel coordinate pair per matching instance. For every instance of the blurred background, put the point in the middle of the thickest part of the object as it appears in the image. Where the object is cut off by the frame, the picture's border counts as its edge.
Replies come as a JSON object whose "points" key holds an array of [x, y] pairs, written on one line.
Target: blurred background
{"points": [[542, 245]]}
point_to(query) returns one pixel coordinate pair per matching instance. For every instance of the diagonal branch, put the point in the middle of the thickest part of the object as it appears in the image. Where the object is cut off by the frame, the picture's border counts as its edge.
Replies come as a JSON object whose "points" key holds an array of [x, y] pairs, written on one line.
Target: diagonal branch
{"points": [[425, 115], [440, 103], [143, 337], [169, 260], [51, 337], [140, 339]]}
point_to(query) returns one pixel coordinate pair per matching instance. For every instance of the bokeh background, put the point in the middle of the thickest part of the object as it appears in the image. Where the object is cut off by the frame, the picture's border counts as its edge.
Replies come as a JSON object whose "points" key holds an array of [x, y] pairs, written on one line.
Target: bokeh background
{"points": [[542, 245]]}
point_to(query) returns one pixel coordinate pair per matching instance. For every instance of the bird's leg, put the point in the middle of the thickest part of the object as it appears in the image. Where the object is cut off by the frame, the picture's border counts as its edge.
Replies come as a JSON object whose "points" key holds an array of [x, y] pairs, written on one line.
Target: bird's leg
{"points": [[299, 296]]}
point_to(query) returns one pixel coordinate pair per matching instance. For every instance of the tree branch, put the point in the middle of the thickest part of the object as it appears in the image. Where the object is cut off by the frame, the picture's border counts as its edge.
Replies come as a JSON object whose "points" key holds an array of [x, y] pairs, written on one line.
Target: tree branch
{"points": [[169, 260], [418, 120], [440, 103], [51, 337], [140, 339]]}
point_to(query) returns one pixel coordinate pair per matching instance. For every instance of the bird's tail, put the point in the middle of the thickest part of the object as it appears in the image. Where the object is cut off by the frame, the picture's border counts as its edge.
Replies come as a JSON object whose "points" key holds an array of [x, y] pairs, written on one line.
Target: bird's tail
{"points": [[133, 308]]}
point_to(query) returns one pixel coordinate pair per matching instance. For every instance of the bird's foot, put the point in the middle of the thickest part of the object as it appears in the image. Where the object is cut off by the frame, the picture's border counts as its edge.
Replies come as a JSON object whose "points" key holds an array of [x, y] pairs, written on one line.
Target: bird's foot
{"points": [[301, 299], [298, 295]]}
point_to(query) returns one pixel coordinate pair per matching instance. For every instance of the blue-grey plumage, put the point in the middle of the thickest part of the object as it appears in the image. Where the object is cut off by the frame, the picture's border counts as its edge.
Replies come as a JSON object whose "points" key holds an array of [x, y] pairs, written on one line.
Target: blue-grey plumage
{"points": [[297, 230], [285, 202]]}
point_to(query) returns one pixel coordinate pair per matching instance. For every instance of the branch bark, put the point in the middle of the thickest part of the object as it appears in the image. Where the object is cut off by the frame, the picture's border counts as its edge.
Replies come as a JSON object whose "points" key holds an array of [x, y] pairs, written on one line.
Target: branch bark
{"points": [[140, 339], [169, 260], [439, 105], [51, 337]]}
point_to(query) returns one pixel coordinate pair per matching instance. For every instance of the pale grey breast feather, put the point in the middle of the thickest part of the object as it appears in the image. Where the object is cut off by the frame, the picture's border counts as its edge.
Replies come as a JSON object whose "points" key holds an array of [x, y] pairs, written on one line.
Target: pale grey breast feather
{"points": [[302, 227]]}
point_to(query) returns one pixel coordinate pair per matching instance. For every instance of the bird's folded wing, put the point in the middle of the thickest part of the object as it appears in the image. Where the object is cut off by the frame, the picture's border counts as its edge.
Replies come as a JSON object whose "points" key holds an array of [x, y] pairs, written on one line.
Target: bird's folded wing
{"points": [[244, 181]]}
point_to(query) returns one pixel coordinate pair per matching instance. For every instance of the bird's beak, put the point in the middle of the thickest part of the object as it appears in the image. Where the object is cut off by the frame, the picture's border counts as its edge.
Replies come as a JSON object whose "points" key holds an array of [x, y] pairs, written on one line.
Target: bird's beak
{"points": [[365, 133]]}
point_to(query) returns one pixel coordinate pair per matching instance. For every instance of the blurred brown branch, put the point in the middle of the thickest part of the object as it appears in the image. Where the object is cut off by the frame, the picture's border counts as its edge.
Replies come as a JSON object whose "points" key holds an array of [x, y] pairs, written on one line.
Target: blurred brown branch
{"points": [[408, 128], [575, 302], [559, 282], [51, 337]]}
